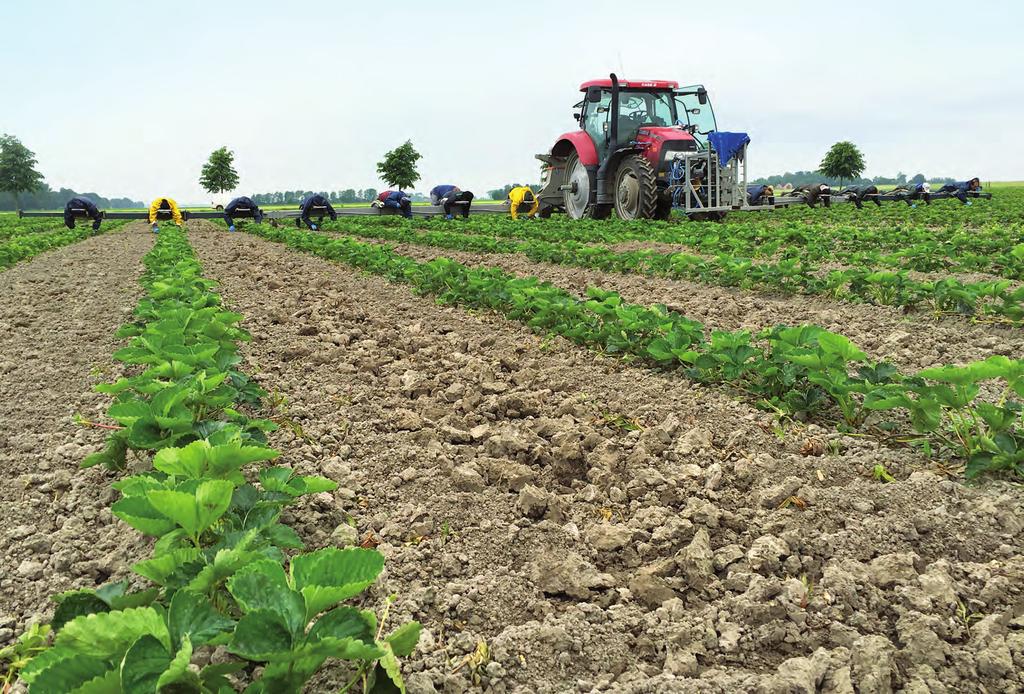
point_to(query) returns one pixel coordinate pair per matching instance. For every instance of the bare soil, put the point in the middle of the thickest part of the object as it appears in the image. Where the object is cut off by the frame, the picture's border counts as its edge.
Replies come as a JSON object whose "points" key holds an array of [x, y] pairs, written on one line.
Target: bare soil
{"points": [[604, 527], [58, 315]]}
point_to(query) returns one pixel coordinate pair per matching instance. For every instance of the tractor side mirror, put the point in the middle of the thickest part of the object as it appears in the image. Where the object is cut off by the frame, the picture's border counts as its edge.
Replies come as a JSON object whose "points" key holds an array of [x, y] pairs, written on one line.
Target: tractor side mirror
{"points": [[577, 116], [594, 95], [702, 96]]}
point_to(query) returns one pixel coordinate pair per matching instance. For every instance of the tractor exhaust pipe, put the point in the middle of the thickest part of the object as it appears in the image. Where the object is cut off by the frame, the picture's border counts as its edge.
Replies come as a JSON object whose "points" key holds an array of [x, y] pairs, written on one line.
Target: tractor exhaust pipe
{"points": [[613, 143]]}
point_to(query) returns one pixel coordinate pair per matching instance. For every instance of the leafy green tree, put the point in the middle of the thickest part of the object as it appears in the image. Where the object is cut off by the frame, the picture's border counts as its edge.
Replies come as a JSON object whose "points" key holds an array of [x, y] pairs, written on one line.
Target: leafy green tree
{"points": [[398, 167], [17, 168], [348, 196], [844, 161], [918, 178], [219, 175]]}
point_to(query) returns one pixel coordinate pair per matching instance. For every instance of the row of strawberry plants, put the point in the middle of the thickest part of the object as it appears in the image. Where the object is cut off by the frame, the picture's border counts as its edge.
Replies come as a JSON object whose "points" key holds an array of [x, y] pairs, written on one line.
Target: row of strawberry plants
{"points": [[31, 242], [802, 370], [996, 250], [219, 569], [887, 288]]}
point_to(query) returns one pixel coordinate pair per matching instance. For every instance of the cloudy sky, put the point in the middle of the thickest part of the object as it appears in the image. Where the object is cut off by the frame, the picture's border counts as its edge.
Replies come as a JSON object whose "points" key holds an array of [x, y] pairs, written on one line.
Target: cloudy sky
{"points": [[129, 98]]}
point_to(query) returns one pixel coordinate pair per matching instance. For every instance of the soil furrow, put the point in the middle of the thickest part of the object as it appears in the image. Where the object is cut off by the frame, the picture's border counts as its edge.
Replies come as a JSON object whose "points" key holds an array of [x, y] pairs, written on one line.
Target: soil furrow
{"points": [[601, 525], [58, 315]]}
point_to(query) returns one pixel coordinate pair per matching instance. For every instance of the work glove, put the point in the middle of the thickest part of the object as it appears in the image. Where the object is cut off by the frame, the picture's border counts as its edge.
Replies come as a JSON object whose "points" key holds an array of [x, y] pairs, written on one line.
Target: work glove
{"points": [[156, 229], [231, 228], [448, 216], [313, 227], [969, 202]]}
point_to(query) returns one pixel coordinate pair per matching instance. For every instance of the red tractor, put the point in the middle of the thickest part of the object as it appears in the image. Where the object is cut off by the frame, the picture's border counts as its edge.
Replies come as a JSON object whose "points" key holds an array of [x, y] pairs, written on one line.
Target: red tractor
{"points": [[622, 157]]}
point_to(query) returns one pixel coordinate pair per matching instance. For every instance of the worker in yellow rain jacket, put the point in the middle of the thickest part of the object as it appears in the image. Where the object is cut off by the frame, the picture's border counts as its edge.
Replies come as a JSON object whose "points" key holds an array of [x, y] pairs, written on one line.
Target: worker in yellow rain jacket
{"points": [[523, 200], [164, 205]]}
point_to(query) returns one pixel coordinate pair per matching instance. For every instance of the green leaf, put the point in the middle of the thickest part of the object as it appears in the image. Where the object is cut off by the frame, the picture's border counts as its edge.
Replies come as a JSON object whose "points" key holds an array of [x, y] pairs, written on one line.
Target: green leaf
{"points": [[194, 512], [403, 639], [388, 674], [76, 604], [342, 623], [330, 575], [58, 671], [263, 586], [138, 512], [161, 568], [192, 616], [109, 683], [142, 666], [178, 673], [260, 635], [109, 634]]}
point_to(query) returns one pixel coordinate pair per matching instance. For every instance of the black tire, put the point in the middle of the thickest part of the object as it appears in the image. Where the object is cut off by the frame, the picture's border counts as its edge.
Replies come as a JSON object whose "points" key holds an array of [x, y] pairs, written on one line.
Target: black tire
{"points": [[636, 188], [220, 207]]}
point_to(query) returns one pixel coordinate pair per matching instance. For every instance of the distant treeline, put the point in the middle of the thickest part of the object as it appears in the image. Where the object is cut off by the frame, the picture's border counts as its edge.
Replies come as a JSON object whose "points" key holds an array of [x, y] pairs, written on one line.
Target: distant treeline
{"points": [[48, 199], [801, 177]]}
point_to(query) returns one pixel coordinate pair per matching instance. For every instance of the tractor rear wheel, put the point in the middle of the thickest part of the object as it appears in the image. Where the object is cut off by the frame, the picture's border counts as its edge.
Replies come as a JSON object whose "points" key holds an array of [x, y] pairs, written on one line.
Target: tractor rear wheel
{"points": [[636, 188]]}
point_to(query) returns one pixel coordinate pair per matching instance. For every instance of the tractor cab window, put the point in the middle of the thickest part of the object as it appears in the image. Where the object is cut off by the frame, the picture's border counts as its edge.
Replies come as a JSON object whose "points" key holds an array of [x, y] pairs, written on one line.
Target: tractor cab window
{"points": [[639, 108], [595, 120], [699, 117]]}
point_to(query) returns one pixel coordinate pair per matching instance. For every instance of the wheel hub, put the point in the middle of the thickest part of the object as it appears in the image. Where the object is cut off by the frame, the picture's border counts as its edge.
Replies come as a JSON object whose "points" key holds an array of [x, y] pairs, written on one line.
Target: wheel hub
{"points": [[578, 195], [628, 192]]}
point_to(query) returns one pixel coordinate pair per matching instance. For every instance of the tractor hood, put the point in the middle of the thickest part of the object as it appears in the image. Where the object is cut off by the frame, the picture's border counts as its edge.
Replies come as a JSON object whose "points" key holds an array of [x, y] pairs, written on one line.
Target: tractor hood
{"points": [[661, 143]]}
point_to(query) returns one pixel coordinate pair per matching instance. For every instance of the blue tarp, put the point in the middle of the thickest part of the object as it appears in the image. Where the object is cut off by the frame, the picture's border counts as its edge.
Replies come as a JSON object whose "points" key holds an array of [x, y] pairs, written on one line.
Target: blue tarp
{"points": [[728, 145]]}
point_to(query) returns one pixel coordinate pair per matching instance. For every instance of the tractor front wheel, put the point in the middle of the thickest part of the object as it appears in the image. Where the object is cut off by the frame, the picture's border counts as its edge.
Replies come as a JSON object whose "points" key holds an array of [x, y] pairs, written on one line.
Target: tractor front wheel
{"points": [[636, 188]]}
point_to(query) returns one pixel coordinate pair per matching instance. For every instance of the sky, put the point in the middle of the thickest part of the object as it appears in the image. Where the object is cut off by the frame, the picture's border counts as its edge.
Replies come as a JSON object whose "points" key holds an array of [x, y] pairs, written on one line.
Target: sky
{"points": [[129, 98]]}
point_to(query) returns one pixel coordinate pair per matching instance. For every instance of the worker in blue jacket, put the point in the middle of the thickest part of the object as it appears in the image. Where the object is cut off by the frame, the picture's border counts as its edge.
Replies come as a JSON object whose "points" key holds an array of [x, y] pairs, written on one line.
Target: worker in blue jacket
{"points": [[308, 205], [240, 205], [398, 200], [449, 196], [760, 195], [961, 189], [79, 204]]}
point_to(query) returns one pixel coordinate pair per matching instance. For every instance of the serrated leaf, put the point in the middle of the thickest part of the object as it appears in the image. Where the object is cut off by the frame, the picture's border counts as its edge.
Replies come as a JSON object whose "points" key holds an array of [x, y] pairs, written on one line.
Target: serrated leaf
{"points": [[260, 635], [76, 604], [110, 634], [263, 585], [403, 639], [178, 672], [60, 671], [330, 575], [142, 666], [341, 623], [138, 512], [192, 616]]}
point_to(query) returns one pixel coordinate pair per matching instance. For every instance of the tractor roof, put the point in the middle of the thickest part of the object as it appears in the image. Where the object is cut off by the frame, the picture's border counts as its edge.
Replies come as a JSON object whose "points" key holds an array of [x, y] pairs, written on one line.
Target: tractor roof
{"points": [[631, 84]]}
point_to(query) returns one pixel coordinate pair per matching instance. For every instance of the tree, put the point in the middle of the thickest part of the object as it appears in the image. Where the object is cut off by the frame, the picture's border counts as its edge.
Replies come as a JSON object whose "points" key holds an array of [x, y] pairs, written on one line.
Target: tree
{"points": [[219, 175], [918, 178], [348, 196], [17, 168], [398, 167], [844, 161]]}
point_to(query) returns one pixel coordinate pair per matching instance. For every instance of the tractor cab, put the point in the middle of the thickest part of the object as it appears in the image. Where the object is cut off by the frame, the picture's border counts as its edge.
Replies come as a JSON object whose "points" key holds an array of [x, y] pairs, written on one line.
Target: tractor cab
{"points": [[643, 105]]}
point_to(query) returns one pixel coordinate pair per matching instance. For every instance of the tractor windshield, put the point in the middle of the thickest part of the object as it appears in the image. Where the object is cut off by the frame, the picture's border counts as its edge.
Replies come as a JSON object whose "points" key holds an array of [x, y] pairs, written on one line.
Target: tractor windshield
{"points": [[642, 107], [699, 117]]}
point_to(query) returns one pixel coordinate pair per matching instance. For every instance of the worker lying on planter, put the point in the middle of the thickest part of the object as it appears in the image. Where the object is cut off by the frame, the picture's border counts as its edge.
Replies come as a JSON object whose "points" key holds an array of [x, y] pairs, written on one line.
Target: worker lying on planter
{"points": [[856, 195], [78, 204], [161, 207], [961, 189], [315, 204], [813, 192], [397, 200], [760, 195], [238, 206], [522, 199], [913, 192], [448, 196]]}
